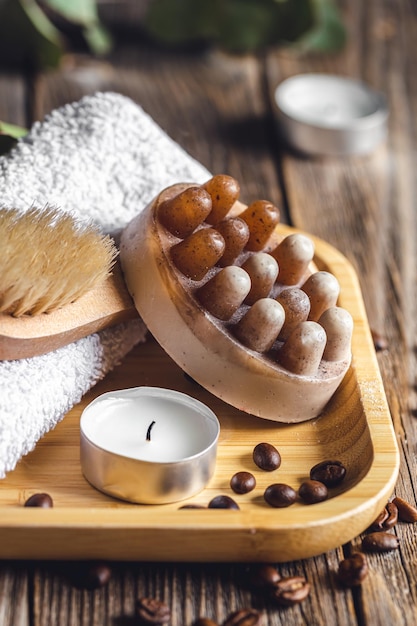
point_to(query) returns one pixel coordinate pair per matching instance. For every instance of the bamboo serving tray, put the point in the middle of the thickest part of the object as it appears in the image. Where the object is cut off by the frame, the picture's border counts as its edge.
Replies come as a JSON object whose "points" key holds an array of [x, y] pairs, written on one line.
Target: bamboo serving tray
{"points": [[356, 429]]}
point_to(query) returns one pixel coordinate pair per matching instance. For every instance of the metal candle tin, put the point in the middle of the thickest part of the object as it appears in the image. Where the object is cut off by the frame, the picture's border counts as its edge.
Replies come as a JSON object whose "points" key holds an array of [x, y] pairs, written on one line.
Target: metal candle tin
{"points": [[148, 445], [322, 114]]}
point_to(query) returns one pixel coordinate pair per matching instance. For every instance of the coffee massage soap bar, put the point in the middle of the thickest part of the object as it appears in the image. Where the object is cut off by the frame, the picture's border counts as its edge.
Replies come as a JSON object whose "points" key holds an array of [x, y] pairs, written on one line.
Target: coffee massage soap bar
{"points": [[238, 306]]}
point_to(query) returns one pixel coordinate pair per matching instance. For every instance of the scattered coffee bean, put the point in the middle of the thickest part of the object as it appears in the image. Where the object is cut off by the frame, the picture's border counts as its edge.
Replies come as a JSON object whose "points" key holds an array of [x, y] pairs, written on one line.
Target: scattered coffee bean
{"points": [[266, 457], [223, 502], [290, 591], [380, 342], [280, 495], [152, 611], [313, 491], [244, 617], [204, 621], [330, 473], [42, 500], [263, 576], [386, 519], [89, 575], [378, 523], [380, 542], [353, 570], [406, 511], [243, 482]]}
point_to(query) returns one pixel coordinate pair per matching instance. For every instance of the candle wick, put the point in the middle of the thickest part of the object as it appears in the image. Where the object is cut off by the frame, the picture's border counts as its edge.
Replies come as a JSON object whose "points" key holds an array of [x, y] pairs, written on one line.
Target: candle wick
{"points": [[148, 433]]}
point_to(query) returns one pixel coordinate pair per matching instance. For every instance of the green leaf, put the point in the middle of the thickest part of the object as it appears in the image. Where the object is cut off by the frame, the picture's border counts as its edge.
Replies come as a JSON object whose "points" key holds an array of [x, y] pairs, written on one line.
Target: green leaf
{"points": [[246, 25], [328, 33], [76, 11], [9, 134], [98, 39], [254, 24], [83, 13], [179, 22], [12, 130], [27, 36]]}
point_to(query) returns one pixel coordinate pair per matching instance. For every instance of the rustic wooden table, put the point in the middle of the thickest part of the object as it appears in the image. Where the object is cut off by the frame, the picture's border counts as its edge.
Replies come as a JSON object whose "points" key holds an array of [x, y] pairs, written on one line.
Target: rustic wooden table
{"points": [[218, 108]]}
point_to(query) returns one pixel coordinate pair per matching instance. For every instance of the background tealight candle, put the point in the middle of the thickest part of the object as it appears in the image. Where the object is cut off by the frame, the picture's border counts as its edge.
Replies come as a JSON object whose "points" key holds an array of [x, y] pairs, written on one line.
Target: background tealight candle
{"points": [[148, 445], [322, 114]]}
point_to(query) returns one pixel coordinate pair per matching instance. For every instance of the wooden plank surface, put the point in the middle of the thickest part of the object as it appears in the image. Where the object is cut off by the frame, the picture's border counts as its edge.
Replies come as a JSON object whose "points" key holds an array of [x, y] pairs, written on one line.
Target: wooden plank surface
{"points": [[217, 108]]}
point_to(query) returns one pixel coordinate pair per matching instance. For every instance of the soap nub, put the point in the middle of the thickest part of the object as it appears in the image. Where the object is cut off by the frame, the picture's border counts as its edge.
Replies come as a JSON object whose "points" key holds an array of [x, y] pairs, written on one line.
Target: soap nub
{"points": [[263, 271]]}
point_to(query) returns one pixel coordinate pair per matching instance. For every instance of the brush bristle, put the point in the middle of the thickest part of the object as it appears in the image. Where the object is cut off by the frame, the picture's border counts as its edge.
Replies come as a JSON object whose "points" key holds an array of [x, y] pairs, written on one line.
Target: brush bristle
{"points": [[48, 259]]}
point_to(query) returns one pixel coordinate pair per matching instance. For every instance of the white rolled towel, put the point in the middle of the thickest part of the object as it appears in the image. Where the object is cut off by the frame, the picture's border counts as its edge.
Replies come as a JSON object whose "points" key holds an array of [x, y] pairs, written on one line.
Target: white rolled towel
{"points": [[102, 159]]}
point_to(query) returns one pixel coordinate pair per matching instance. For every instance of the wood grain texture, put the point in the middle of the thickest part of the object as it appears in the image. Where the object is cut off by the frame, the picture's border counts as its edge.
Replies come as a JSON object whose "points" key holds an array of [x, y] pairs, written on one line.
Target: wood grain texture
{"points": [[367, 205], [14, 595]]}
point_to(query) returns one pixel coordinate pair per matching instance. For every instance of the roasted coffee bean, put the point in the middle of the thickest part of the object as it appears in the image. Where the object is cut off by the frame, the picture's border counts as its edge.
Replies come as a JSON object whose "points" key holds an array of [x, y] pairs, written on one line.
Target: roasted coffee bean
{"points": [[392, 518], [386, 519], [380, 342], [243, 482], [406, 511], [380, 542], [353, 570], [378, 523], [290, 591], [42, 500], [330, 473], [263, 576], [280, 495], [244, 617], [89, 575], [152, 611], [223, 502], [312, 491], [266, 457], [204, 621]]}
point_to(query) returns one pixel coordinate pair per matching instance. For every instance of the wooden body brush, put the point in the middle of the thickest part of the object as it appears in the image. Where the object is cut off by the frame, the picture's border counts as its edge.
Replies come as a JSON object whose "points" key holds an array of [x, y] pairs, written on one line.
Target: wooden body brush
{"points": [[60, 281], [236, 303]]}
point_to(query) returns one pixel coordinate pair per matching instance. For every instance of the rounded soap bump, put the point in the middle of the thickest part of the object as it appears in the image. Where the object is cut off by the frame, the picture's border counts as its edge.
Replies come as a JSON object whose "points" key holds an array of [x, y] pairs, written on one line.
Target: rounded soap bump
{"points": [[294, 254], [302, 352], [261, 216], [198, 253], [296, 305], [259, 327], [184, 212], [338, 325], [263, 271], [223, 294], [235, 233], [323, 290], [224, 191]]}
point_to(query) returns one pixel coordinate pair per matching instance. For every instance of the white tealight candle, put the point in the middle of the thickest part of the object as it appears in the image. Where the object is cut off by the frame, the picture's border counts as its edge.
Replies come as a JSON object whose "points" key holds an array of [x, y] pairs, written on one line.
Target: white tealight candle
{"points": [[327, 115], [148, 445]]}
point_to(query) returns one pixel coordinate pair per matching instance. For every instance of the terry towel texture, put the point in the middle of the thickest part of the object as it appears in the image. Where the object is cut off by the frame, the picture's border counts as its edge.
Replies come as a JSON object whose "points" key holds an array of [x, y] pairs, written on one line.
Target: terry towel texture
{"points": [[101, 158]]}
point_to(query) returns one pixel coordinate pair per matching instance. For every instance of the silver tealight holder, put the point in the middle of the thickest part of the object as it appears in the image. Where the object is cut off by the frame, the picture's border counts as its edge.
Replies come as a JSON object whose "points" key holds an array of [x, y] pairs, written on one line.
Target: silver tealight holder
{"points": [[323, 114], [148, 445]]}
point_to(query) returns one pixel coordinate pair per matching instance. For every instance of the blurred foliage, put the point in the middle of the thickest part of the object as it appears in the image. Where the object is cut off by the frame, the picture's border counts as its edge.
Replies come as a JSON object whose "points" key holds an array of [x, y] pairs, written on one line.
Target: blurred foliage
{"points": [[37, 32], [247, 25], [9, 134]]}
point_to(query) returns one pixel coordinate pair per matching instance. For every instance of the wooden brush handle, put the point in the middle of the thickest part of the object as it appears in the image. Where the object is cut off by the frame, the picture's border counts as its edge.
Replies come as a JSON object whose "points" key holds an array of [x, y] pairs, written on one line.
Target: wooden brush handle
{"points": [[105, 305]]}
